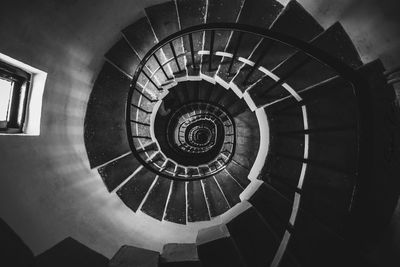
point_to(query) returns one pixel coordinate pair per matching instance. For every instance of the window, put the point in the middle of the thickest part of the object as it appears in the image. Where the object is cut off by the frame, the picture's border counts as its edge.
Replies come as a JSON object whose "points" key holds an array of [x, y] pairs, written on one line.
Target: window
{"points": [[21, 93], [14, 87]]}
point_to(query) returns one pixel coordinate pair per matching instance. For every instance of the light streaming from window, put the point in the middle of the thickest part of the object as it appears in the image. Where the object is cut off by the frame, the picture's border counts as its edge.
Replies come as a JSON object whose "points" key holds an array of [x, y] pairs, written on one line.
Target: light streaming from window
{"points": [[5, 92]]}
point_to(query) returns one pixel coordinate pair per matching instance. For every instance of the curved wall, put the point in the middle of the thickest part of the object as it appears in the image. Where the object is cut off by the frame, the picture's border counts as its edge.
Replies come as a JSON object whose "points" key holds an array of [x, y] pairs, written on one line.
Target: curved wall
{"points": [[47, 190]]}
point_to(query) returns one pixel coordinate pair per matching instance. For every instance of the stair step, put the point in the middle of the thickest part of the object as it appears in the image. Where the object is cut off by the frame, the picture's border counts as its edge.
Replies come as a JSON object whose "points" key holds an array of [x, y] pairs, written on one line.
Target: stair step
{"points": [[128, 256], [143, 105], [156, 201], [139, 129], [219, 252], [217, 93], [378, 190], [284, 169], [338, 113], [243, 46], [247, 138], [327, 196], [109, 91], [70, 252], [315, 245], [218, 11], [116, 172], [273, 207], [286, 186], [216, 200], [176, 206], [141, 38], [133, 192], [197, 206], [229, 187], [254, 238], [164, 21], [327, 88], [260, 14], [281, 144], [14, 252], [192, 13], [303, 70], [204, 90], [212, 233], [191, 88], [180, 255], [239, 173], [256, 13], [123, 56], [294, 21], [288, 260], [232, 103]]}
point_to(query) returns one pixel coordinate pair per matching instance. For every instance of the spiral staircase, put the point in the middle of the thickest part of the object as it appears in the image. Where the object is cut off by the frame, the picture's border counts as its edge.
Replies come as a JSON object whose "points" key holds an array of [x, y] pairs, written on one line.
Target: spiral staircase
{"points": [[250, 112]]}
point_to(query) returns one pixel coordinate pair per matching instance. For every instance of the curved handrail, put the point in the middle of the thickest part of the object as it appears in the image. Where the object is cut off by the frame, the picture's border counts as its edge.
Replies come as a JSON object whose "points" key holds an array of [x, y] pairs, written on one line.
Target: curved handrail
{"points": [[314, 52]]}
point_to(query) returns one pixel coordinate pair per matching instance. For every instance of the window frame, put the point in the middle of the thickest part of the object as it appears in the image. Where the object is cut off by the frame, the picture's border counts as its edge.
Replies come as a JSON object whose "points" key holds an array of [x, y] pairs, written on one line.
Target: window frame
{"points": [[20, 87], [32, 105]]}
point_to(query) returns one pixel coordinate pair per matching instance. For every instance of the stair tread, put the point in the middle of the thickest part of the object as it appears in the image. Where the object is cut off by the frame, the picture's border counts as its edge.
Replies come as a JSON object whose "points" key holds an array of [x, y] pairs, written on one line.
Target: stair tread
{"points": [[334, 41], [218, 11], [117, 171], [325, 88], [69, 252], [239, 173], [229, 187], [14, 248], [141, 38], [260, 13], [164, 21], [378, 191], [293, 21], [192, 13], [155, 202], [133, 256], [197, 206], [247, 138], [255, 13], [327, 197], [179, 252], [253, 238], [176, 207], [313, 244], [220, 252], [109, 91], [123, 56], [282, 168], [133, 192], [273, 207], [216, 200]]}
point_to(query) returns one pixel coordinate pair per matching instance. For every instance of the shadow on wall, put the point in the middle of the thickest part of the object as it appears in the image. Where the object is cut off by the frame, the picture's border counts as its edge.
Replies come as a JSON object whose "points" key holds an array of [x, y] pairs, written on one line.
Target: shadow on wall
{"points": [[373, 25]]}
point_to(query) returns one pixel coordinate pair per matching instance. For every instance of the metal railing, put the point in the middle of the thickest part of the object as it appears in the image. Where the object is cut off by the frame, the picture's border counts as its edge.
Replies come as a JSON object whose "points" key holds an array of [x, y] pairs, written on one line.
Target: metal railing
{"points": [[147, 87]]}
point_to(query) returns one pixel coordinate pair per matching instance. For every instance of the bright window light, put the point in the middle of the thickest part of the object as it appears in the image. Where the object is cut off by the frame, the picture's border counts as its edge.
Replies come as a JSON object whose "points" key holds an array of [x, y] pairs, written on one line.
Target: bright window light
{"points": [[5, 94]]}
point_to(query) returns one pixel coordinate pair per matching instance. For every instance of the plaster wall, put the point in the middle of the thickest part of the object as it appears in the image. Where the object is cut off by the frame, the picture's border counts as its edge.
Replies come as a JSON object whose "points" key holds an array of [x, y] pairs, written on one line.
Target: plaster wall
{"points": [[47, 190]]}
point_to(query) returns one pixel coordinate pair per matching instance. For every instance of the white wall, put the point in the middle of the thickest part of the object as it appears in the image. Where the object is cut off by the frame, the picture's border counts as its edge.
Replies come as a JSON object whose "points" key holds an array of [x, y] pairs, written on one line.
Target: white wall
{"points": [[47, 190]]}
